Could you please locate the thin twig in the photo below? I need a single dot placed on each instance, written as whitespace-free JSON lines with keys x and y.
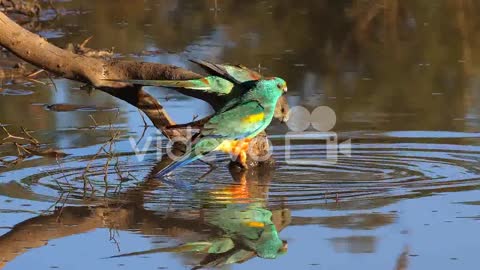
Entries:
{"x":94,"y":122}
{"x":109,"y":153}
{"x":62,"y":207}
{"x":143,"y":118}
{"x":32,"y":139}
{"x":145,"y":126}
{"x":50,"y":3}
{"x":112,"y":232}
{"x":36,"y":72}
{"x":53,"y":82}
{"x":63,"y":173}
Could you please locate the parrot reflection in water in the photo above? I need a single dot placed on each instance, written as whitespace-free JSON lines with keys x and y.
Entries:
{"x":243,"y":227}
{"x":247,"y":230}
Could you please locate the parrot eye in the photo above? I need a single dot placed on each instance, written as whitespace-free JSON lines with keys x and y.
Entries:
{"x":282,"y":87}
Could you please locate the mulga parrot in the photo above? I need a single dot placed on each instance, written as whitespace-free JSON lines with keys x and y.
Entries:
{"x":247,"y":230}
{"x":242,"y":118}
{"x":220,"y":83}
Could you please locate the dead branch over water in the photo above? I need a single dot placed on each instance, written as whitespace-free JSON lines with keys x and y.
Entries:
{"x":94,"y":71}
{"x":39,"y":52}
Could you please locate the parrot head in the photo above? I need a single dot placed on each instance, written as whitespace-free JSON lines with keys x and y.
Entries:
{"x":279,"y":83}
{"x":269,"y":89}
{"x":269,"y":245}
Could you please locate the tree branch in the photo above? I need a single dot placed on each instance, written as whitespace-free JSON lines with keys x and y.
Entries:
{"x":39,"y":52}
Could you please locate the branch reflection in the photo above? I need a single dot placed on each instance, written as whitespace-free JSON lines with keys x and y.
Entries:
{"x":233,"y":224}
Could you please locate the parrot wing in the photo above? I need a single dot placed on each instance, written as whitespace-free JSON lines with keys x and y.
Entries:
{"x":217,"y":70}
{"x":210,"y":84}
{"x":242,"y":73}
{"x":238,"y":122}
{"x":238,"y":73}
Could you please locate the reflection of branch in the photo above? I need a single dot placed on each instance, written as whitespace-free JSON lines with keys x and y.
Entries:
{"x":17,"y":71}
{"x":29,"y":138}
{"x":26,"y":146}
{"x":463,"y":25}
{"x":36,"y":232}
{"x":27,"y":234}
{"x":402,"y":261}
{"x":184,"y":226}
{"x":365,"y":15}
{"x":28,"y":8}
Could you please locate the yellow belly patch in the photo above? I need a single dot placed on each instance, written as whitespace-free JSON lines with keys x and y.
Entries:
{"x":255,"y":224}
{"x":254,"y":118}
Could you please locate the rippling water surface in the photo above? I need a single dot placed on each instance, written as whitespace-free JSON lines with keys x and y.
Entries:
{"x":401,"y":192}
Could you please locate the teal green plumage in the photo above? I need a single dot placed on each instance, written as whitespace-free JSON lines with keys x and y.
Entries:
{"x":223,"y":86}
{"x":252,"y":225}
{"x":242,"y":117}
{"x":242,"y":73}
{"x":246,"y":230}
{"x":210,"y":84}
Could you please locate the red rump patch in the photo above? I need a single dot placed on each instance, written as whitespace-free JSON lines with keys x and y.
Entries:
{"x":254,"y":75}
{"x":204,"y":80}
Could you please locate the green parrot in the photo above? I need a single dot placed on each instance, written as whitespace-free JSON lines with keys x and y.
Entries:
{"x":247,"y":229}
{"x":241,"y":118}
{"x":223,"y":84}
{"x":213,"y":84}
{"x":252,"y":226}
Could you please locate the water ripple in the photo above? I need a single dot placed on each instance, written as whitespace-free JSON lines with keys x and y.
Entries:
{"x":373,"y":171}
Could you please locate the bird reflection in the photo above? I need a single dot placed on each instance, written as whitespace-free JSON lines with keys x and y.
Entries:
{"x":245,"y":227}
{"x":232,"y":225}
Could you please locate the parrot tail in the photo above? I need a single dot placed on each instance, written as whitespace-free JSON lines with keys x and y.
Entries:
{"x":197,"y":151}
{"x":184,"y":160}
{"x":198,"y":84}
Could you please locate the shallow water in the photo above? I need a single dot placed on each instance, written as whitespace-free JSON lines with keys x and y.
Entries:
{"x":401,"y":192}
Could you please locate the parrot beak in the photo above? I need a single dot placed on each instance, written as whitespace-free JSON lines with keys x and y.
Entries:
{"x":284,"y":247}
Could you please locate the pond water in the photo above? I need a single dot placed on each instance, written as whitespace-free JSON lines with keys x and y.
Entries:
{"x":401,"y":193}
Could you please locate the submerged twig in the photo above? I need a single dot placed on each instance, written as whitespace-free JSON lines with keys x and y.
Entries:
{"x":94,"y":121}
{"x":32,"y":139}
{"x":108,"y":149}
{"x":26,"y":146}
